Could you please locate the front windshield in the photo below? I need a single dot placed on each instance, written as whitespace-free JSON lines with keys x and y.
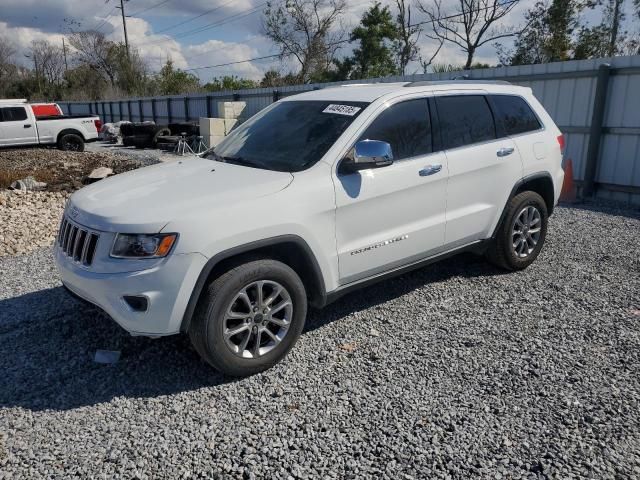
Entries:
{"x":288,"y":137}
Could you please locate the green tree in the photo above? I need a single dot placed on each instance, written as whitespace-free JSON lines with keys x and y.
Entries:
{"x":374,"y":57}
{"x":229,"y":82}
{"x":547,"y":36}
{"x":172,"y":81}
{"x":605,"y":39}
{"x":273,"y":78}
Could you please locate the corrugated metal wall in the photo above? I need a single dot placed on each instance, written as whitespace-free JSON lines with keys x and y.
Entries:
{"x":566,"y":89}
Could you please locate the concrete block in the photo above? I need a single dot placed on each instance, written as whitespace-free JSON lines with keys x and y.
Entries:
{"x":216,"y":126}
{"x":212,"y":140}
{"x":231,"y":109}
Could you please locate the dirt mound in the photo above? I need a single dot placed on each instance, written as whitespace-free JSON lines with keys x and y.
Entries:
{"x":61,"y":171}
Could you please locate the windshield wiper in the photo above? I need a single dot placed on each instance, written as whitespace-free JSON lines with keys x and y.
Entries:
{"x":243,"y":161}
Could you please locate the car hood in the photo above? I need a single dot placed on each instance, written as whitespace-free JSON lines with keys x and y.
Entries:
{"x":145,"y":200}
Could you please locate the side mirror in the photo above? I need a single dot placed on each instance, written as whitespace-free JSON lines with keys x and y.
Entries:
{"x":368,"y":154}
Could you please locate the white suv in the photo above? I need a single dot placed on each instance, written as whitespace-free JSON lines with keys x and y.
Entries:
{"x":317,"y":194}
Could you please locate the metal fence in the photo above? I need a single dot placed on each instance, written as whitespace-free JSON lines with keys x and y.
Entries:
{"x":596,"y":103}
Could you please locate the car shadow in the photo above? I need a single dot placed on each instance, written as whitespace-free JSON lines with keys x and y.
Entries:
{"x":48,"y":340}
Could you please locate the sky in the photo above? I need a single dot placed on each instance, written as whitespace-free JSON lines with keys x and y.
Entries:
{"x":192,"y":33}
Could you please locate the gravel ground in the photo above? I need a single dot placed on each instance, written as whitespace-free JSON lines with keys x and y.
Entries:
{"x":454,"y":371}
{"x":29,"y":220}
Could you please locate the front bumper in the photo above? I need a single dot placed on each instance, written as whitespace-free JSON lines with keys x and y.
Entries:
{"x":167,"y":286}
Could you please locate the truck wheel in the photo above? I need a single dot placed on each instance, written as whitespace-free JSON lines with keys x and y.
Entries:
{"x":249,"y":318}
{"x":71,"y":142}
{"x":521,"y":234}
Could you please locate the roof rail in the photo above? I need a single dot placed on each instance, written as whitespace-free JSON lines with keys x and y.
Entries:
{"x":427,"y":83}
{"x":13,"y":100}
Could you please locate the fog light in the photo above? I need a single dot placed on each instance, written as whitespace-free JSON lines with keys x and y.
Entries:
{"x":137,"y":303}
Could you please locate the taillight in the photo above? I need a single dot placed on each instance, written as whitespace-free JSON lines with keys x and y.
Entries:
{"x":561,"y":143}
{"x":98,"y":124}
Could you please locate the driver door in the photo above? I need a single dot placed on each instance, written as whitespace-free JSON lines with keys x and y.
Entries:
{"x":394,"y":215}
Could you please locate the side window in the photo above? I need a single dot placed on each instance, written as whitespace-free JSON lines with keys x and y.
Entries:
{"x":514,"y":115}
{"x":465,"y":119}
{"x":405,"y":126}
{"x":13,"y":114}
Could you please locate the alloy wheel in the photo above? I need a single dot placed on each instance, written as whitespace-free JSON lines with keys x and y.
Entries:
{"x":526,"y":230}
{"x":257,"y":319}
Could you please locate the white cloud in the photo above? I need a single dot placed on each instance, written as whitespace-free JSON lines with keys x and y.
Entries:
{"x":21,"y":37}
{"x":215,"y":52}
{"x":154,"y":49}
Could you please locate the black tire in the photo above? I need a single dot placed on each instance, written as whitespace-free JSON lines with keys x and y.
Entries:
{"x":184,"y":128}
{"x":70,"y":142}
{"x":502,"y":252}
{"x":138,"y":141}
{"x":161,"y":132}
{"x":208,"y":323}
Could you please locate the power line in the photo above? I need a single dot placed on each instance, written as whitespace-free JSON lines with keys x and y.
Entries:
{"x":149,"y":8}
{"x":232,"y":63}
{"x":347,"y":40}
{"x":101,"y":24}
{"x":250,"y":39}
{"x":224,"y":21}
{"x":195,"y":18}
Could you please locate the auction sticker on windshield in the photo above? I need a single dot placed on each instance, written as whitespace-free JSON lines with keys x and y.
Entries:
{"x":342,"y":109}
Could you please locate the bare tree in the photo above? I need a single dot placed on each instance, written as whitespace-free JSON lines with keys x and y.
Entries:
{"x":48,"y":60}
{"x":306,"y":30}
{"x":7,"y":67}
{"x":95,"y":51}
{"x":406,"y":45}
{"x":473,"y":23}
{"x":425,"y":62}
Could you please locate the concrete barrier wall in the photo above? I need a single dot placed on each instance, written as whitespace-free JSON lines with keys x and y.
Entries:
{"x":568,"y":90}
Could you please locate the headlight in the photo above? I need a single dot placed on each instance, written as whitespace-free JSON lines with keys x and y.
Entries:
{"x":143,"y":246}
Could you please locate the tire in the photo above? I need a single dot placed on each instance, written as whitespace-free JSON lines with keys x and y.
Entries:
{"x":161,"y":132}
{"x":232,"y":355}
{"x":515,"y":247}
{"x":184,"y":128}
{"x":138,"y":141}
{"x":71,"y":142}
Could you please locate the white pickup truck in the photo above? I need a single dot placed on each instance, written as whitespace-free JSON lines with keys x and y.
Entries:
{"x":19,"y":126}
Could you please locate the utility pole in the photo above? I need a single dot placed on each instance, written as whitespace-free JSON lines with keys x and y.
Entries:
{"x":64,"y":51}
{"x":124,"y":25}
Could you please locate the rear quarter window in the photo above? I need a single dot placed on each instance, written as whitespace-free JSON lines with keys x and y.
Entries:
{"x":514,"y":115}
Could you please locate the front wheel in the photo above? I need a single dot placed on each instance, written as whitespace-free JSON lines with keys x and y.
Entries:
{"x":521,"y":234}
{"x":249,"y":318}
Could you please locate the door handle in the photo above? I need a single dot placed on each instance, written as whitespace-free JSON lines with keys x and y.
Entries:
{"x":26,"y":126}
{"x":504,"y":151}
{"x":430,"y":170}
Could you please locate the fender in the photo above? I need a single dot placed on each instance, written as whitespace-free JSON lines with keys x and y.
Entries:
{"x":317,"y":298}
{"x":70,"y":130}
{"x":519,"y":183}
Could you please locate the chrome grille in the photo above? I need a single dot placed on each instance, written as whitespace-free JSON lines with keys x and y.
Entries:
{"x":76,"y":242}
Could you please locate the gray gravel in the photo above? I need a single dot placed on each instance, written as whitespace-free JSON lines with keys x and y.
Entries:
{"x":453,"y":371}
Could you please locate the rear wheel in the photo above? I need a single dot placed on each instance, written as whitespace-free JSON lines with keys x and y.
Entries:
{"x":521,"y":234}
{"x":71,"y":142}
{"x":250,"y":317}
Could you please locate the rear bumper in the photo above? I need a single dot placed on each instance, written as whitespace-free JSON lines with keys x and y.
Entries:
{"x":167,"y":287}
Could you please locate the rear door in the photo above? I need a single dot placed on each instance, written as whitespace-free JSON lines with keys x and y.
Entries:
{"x":482,"y":168}
{"x":390,"y":216}
{"x":17,"y":127}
